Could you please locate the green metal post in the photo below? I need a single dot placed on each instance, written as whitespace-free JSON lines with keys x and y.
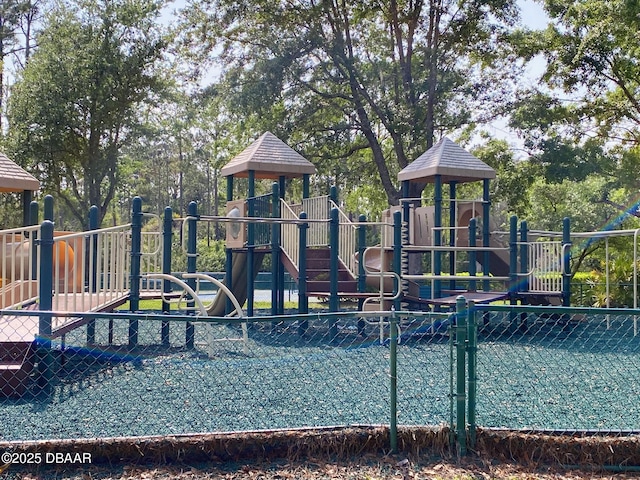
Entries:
{"x":27,"y":197}
{"x":486,"y":232}
{"x":452,"y":232}
{"x":305,"y":185}
{"x":192,"y":258}
{"x":566,"y":253}
{"x":397,"y":255}
{"x":48,"y":208}
{"x":524,"y":255}
{"x":276,"y":232}
{"x":275,"y":251}
{"x":393,"y":380}
{"x":513,"y":257}
{"x":362,"y":275}
{"x":472,"y":253}
{"x":334,"y":300}
{"x":251,"y":239}
{"x":136,"y":255}
{"x":92,"y":249}
{"x":303,"y":300}
{"x":461,"y":345}
{"x":333,"y":194}
{"x":45,"y":358}
{"x":437,"y":235}
{"x":228,"y":265}
{"x":33,"y":220}
{"x":472,"y":349}
{"x":167,"y":240}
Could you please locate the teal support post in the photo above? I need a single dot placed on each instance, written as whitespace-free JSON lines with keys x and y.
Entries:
{"x":362,"y":274}
{"x":92,"y":273}
{"x":192,"y":258}
{"x":566,"y":255}
{"x":453,"y":220}
{"x":303,"y":300}
{"x":397,"y":255}
{"x":334,"y":226}
{"x":472,"y":253}
{"x":333,"y":194}
{"x":229,"y":188}
{"x":33,"y":220}
{"x":513,"y":258}
{"x":472,"y":362}
{"x":251,"y":240}
{"x":524,"y":255}
{"x":280,"y":271}
{"x":393,"y":383}
{"x":136,"y":254}
{"x":406,"y":204}
{"x":48,"y":208}
{"x":167,"y":241}
{"x":461,"y":380}
{"x":305,"y":185}
{"x":282,"y":181}
{"x":27,"y":197}
{"x":437,"y":235}
{"x":228,"y":264}
{"x":275,"y":251}
{"x":44,"y":354}
{"x":486,"y":233}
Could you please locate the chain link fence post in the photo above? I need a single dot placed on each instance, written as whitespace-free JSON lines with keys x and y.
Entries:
{"x":461,"y":345}
{"x":472,"y":349}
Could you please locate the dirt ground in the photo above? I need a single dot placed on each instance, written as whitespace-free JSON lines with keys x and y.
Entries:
{"x":364,"y":468}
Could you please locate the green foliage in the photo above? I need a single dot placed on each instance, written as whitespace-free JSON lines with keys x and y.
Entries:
{"x":75,"y":105}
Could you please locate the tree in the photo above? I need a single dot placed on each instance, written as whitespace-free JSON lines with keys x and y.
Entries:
{"x":375,"y":83}
{"x":75,"y":105}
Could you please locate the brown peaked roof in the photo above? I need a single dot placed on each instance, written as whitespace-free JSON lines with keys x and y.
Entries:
{"x":14,"y":179}
{"x":447,"y":159}
{"x":268,"y":157}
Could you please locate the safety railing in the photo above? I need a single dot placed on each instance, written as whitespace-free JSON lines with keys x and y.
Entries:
{"x":317,"y":208}
{"x":347,"y":240}
{"x":290,"y":237}
{"x":546,"y":260}
{"x":19,"y":267}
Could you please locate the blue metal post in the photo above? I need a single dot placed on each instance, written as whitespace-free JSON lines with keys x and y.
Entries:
{"x":461,"y":346}
{"x":167,"y":241}
{"x":305,"y":185}
{"x":92,"y":250}
{"x":48,"y":208}
{"x":486,"y":233}
{"x":250,"y":240}
{"x":45,"y":359}
{"x":303,"y":300}
{"x":397,"y":255}
{"x":452,"y":232}
{"x":228,"y":265}
{"x":275,"y":252}
{"x":192,"y":258}
{"x":513,"y":257}
{"x":33,"y":220}
{"x":437,"y":235}
{"x":524,"y":255}
{"x":362,"y":275}
{"x":136,"y":254}
{"x":334,"y":226}
{"x":566,"y":273}
{"x":472,"y":253}
{"x":280,"y":273}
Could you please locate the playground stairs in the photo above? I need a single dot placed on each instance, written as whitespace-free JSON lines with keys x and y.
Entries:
{"x":16,"y":365}
{"x":319,"y":272}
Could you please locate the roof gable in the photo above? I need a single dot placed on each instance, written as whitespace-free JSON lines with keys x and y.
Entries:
{"x":268,"y":157}
{"x":447,"y":159}
{"x":14,"y":178}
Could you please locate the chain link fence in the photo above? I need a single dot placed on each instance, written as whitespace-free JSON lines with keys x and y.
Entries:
{"x":559,"y":369}
{"x":311,"y":371}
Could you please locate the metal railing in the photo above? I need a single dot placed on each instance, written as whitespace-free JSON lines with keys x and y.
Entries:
{"x":347,"y":240}
{"x":317,"y":208}
{"x":290,"y":238}
{"x":19,"y":267}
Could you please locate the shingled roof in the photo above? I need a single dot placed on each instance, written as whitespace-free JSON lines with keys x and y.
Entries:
{"x":447,"y":159}
{"x":268,"y":157}
{"x":14,"y":179}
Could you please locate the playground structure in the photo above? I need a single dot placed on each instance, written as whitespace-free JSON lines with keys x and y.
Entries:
{"x":315,"y":241}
